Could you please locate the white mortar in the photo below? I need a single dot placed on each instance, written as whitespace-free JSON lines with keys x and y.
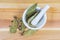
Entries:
{"x":39,"y":26}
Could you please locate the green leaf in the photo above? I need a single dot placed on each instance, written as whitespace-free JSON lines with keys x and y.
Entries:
{"x":31,"y":18}
{"x":14,"y":26}
{"x":23,"y":27}
{"x":29,"y":32}
{"x":31,"y":10}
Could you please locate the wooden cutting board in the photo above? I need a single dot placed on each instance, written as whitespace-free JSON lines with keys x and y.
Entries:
{"x":40,"y":35}
{"x":10,"y":8}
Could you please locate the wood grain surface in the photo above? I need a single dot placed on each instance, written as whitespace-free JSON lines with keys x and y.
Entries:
{"x":31,"y":1}
{"x":39,"y":35}
{"x":10,"y":8}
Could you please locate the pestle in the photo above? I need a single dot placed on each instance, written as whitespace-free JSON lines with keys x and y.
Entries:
{"x":40,"y":15}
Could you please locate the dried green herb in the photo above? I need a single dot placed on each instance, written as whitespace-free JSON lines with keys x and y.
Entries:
{"x":31,"y":11}
{"x":29,"y":32}
{"x":31,"y":18}
{"x":21,"y":25}
{"x":18,"y":24}
{"x":30,"y":15}
{"x":14,"y":25}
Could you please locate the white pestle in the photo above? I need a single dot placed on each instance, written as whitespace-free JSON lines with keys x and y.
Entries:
{"x":39,"y":16}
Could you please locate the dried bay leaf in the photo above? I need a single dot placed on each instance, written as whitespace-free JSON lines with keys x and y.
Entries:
{"x":14,"y":26}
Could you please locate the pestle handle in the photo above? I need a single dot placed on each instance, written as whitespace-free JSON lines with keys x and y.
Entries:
{"x":39,"y":16}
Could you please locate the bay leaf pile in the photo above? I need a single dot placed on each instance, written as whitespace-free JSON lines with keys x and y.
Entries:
{"x":17,"y":23}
